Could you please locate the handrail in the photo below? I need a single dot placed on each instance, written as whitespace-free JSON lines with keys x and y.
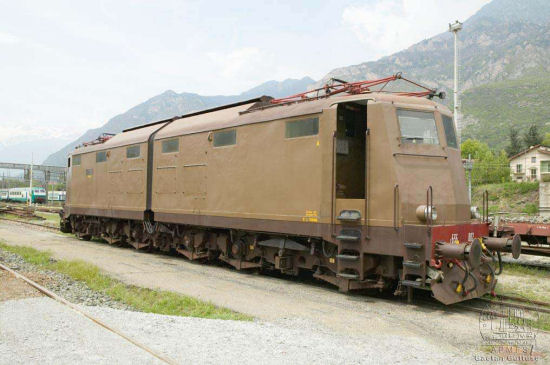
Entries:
{"x":333,"y":187}
{"x":417,"y":155}
{"x":395,"y":206}
{"x":367,"y":134}
{"x":429,"y":205}
{"x":485,"y":206}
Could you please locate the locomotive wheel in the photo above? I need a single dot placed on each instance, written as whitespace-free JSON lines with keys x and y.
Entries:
{"x":84,"y":237}
{"x":238,"y":249}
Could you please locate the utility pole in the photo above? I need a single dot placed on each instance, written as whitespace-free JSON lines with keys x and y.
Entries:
{"x":29,"y":196}
{"x":455,"y":28}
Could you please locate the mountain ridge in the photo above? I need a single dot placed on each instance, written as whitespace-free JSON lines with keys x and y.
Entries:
{"x":169,"y":104}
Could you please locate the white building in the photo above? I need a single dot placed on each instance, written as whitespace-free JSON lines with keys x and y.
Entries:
{"x":529,"y":164}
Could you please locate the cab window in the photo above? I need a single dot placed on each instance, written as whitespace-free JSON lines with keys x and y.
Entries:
{"x":417,"y":127}
{"x":76,"y":160}
{"x":450,"y":135}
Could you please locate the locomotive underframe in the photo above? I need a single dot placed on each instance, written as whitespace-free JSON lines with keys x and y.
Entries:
{"x":242,"y":249}
{"x":289,"y":254}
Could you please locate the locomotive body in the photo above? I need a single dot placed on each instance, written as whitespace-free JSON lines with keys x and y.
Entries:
{"x":366,"y":191}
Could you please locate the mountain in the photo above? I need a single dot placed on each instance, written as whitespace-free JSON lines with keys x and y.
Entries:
{"x":504,"y":52}
{"x":170,"y":103}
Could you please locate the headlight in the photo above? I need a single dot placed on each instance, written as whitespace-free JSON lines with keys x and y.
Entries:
{"x":474,"y":212}
{"x":423,"y":212}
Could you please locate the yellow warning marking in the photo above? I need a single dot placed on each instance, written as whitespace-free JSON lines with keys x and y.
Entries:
{"x":311,"y":216}
{"x":317,"y":144}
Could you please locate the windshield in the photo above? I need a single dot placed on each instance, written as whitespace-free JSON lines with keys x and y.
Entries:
{"x":417,"y":127}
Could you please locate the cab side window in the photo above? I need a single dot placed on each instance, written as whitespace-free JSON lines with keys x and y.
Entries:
{"x":450,"y":135}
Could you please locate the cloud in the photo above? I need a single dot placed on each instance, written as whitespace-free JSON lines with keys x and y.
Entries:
{"x":387,"y":26}
{"x":14,"y":134}
{"x":8,"y":38}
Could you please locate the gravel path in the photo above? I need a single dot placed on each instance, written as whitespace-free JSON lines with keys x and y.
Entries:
{"x":42,"y":330}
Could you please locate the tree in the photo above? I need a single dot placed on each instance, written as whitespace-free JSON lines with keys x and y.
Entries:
{"x":546,"y":141}
{"x":488,"y":167}
{"x":474,"y":148}
{"x":515,"y":146}
{"x":532,"y":137}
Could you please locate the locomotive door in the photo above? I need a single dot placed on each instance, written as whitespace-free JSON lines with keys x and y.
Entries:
{"x":350,"y":154}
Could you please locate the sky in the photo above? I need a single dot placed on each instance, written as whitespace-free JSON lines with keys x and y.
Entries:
{"x":67,"y":66}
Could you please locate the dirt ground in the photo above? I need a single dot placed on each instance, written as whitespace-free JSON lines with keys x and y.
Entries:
{"x":13,"y":288}
{"x":284,"y":301}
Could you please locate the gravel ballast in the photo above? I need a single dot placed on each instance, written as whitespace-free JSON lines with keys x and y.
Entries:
{"x":74,"y":291}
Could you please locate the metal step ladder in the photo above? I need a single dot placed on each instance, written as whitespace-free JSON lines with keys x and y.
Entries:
{"x":414,"y":268}
{"x":350,"y":257}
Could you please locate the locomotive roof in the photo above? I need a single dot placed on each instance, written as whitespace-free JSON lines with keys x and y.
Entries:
{"x":249,"y":112}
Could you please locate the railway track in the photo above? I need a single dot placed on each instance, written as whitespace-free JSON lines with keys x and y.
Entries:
{"x":503,"y":302}
{"x":79,"y":310}
{"x":538,"y":251}
{"x":56,"y":229}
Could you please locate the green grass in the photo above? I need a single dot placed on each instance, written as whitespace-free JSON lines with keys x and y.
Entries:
{"x":51,"y":218}
{"x":525,"y":270}
{"x":142,"y":299}
{"x":510,"y":197}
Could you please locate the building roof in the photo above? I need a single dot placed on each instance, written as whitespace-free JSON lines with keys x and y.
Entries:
{"x":541,"y":149}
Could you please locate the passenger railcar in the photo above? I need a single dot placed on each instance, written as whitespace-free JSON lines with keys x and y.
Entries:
{"x":36,"y":194}
{"x":365,"y":190}
{"x":4,"y":194}
{"x":56,"y":196}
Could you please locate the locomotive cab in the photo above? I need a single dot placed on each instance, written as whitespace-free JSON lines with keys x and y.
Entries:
{"x":400,"y":189}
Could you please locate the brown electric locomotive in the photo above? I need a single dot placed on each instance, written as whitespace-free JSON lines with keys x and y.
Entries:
{"x":364,"y":188}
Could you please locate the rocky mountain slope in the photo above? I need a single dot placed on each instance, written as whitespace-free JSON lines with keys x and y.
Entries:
{"x":170,"y":103}
{"x":504,"y":68}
